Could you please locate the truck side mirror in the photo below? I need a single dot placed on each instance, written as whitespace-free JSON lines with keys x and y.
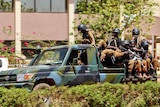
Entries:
{"x":38,"y":49}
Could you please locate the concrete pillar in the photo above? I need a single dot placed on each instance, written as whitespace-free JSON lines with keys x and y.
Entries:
{"x":17,"y":20}
{"x":153,"y":45}
{"x":70,"y":6}
{"x":157,"y":49}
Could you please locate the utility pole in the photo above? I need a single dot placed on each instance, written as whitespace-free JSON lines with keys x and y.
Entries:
{"x":17,"y":32}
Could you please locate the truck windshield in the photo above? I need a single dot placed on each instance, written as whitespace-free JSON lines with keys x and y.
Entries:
{"x":51,"y":57}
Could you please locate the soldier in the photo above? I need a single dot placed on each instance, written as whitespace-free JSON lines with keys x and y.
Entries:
{"x":135,"y":63}
{"x":137,"y":40}
{"x":88,"y":37}
{"x":113,"y":46}
{"x":152,"y":63}
{"x":129,"y":63}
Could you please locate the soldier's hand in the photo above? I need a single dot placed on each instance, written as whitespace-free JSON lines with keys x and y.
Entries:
{"x":86,"y":41}
{"x":126,"y":52}
{"x":102,"y":58}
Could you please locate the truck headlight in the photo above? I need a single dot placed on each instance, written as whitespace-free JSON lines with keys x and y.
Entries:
{"x":24,"y":77}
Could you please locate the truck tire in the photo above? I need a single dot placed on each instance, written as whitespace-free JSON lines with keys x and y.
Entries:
{"x":41,"y":86}
{"x":47,"y":100}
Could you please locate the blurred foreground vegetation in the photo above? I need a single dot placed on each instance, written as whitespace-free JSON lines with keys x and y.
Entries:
{"x":96,"y":95}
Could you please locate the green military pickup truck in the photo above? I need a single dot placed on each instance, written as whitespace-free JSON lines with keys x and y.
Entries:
{"x":63,"y":65}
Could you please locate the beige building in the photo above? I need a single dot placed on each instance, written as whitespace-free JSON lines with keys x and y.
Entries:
{"x":53,"y":22}
{"x":157,"y":39}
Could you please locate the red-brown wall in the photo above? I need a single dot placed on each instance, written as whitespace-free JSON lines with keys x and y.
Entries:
{"x":36,"y":26}
{"x":46,"y":26}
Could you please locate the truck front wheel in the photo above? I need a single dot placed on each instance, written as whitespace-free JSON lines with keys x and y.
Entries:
{"x":41,"y":86}
{"x":47,"y":100}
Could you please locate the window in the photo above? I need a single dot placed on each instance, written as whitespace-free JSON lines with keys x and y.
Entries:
{"x":78,"y":57}
{"x":35,"y":5}
{"x":27,"y":5}
{"x":52,"y":57}
{"x":58,"y":6}
{"x":42,"y":6}
{"x":6,"y":6}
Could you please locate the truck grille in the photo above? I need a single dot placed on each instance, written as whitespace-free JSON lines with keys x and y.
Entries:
{"x":9,"y":78}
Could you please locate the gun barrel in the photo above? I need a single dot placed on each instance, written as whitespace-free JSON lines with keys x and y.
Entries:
{"x":133,"y":53}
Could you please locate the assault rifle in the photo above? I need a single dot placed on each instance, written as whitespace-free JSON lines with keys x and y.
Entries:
{"x":136,"y":56}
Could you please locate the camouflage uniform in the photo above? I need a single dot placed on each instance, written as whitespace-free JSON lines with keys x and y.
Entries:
{"x":88,"y":37}
{"x":145,"y":59}
{"x":112,"y":48}
{"x":152,"y":64}
{"x":135,"y":64}
{"x":108,"y":52}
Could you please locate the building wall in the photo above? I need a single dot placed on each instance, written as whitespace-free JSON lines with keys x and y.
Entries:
{"x":157,"y":9}
{"x":157,"y":14}
{"x":36,"y":26}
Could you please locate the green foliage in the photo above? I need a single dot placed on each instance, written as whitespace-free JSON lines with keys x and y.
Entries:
{"x":104,"y":15}
{"x":8,"y":47}
{"x":6,"y":6}
{"x":96,"y":95}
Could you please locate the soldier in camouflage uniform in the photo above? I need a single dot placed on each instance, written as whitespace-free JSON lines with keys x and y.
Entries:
{"x":134,"y":64}
{"x":141,"y":73}
{"x":88,"y":37}
{"x":152,"y":63}
{"x":112,"y":46}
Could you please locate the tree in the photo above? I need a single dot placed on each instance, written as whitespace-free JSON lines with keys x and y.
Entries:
{"x":104,"y":15}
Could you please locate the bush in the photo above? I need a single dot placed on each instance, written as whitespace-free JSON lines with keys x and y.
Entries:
{"x":96,"y":95}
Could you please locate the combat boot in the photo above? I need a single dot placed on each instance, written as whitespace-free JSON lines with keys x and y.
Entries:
{"x":154,"y":74}
{"x":139,"y":75}
{"x":130,"y":75}
{"x":146,"y":76}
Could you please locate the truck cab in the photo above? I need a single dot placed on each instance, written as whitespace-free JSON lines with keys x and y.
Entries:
{"x":60,"y":65}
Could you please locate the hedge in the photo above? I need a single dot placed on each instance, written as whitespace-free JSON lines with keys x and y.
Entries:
{"x":96,"y":95}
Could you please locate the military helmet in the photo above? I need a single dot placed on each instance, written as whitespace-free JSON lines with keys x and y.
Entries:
{"x":135,"y":31}
{"x":144,"y":44}
{"x":82,"y":27}
{"x":116,"y":30}
{"x":126,"y":42}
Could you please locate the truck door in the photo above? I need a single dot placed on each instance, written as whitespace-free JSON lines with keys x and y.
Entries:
{"x":80,"y":68}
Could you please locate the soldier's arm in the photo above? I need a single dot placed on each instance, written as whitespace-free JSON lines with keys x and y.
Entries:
{"x":103,"y":54}
{"x":136,"y":49}
{"x":144,"y":38}
{"x":149,"y":42}
{"x":92,"y":37}
{"x":112,"y":47}
{"x":102,"y":43}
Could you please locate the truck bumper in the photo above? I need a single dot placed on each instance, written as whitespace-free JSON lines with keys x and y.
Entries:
{"x":26,"y":85}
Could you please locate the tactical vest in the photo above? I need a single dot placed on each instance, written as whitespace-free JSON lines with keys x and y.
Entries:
{"x":114,"y":42}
